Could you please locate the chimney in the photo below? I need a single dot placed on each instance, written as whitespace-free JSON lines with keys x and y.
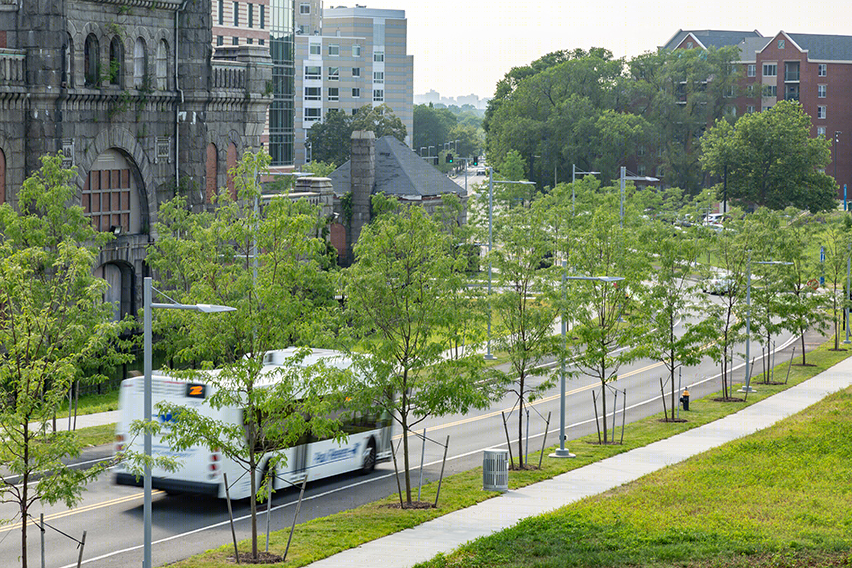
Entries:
{"x":362,"y":175}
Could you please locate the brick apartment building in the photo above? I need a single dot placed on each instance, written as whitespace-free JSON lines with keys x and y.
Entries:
{"x":815,"y":70}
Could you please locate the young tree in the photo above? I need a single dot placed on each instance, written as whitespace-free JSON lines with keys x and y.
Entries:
{"x":838,"y":241}
{"x":526,"y":304}
{"x":268,"y":264}
{"x":401,"y":303}
{"x":609,"y":325}
{"x":52,"y":320}
{"x":672,"y":296}
{"x":770,"y":159}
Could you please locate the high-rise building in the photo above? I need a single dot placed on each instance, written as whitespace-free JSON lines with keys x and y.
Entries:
{"x":266,"y":23}
{"x":347,"y":58}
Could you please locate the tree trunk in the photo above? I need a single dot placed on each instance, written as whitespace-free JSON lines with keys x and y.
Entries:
{"x":406,"y":466}
{"x":25,"y":496}
{"x":521,"y":430}
{"x":803,"y":348}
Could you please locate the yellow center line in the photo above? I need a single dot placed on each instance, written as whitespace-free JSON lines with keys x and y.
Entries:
{"x":85,"y":509}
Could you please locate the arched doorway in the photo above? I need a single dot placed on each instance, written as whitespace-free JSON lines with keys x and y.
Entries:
{"x":120,"y":278}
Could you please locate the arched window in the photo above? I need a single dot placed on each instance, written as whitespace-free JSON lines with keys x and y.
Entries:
{"x":162,"y":65}
{"x":68,"y":61}
{"x":140,"y":64}
{"x":116,"y":61}
{"x":92,"y":61}
{"x":212,"y":172}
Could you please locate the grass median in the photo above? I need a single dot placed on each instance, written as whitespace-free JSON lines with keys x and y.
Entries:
{"x":675,"y":543}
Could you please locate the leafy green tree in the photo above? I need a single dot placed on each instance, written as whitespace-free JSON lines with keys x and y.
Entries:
{"x":268,"y":265}
{"x":432,"y":126}
{"x":526,"y":306}
{"x":671,"y":296}
{"x":679,"y":93}
{"x":609,"y":325}
{"x":381,"y":120}
{"x":401,"y":304}
{"x":53,"y":320}
{"x":470,"y":141}
{"x":838,"y":243}
{"x":771,"y":160}
{"x":802,"y":309}
{"x":330,"y":138}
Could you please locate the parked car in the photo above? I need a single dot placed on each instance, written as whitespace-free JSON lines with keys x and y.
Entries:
{"x":718,"y":285}
{"x":481,"y":171}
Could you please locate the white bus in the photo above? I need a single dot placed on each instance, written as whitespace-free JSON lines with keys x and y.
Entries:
{"x":201,"y":469}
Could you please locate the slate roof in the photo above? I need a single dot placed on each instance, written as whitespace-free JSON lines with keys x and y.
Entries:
{"x":751,"y":45}
{"x":824,"y":47}
{"x":711,"y":38}
{"x":400,"y":172}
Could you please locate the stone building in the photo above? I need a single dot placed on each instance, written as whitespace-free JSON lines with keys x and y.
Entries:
{"x":132,"y":95}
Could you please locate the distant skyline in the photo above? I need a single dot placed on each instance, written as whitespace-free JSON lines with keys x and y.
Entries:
{"x":465,"y":47}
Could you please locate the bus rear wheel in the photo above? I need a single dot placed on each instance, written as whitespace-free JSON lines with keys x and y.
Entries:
{"x":369,"y":459}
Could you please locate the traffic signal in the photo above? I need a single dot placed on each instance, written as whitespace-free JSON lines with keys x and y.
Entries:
{"x":449,"y":158}
{"x":476,"y":160}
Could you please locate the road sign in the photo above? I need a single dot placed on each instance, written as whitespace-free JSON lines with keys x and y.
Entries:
{"x":813,"y":283}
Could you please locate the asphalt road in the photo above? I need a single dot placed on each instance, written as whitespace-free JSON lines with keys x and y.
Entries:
{"x":184,"y":525}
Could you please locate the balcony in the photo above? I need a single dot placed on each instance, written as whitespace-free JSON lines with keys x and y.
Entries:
{"x":12,"y":72}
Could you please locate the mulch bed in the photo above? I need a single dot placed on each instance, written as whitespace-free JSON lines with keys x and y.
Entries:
{"x":412,"y":505}
{"x":262,"y":558}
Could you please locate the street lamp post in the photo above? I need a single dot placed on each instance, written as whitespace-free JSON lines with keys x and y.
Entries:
{"x":747,"y":388}
{"x":562,"y":452}
{"x":146,"y":356}
{"x":574,"y":172}
{"x":837,"y":134}
{"x":488,"y":355}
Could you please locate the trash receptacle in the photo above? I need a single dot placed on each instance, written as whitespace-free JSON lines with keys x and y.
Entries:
{"x":495,"y":470}
{"x":684,"y":399}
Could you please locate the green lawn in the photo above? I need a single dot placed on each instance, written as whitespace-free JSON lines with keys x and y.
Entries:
{"x":734,"y":503}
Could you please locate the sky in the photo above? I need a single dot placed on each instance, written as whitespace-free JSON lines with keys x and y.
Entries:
{"x":463,"y":47}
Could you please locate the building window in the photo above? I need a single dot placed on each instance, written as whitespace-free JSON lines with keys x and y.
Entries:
{"x":236,"y":13}
{"x":304,"y":8}
{"x":750,"y":90}
{"x":221,"y":12}
{"x":770,"y":90}
{"x":751,"y":70}
{"x":821,"y":131}
{"x":235,"y":40}
{"x":356,"y":71}
{"x":262,"y":17}
{"x":140,"y":64}
{"x":770,"y":69}
{"x":313,"y":114}
{"x":731,"y":92}
{"x":251,"y":15}
{"x":749,"y":108}
{"x":641,"y":169}
{"x":356,"y":50}
{"x":162,"y":64}
{"x":378,"y":76}
{"x":378,"y":95}
{"x":333,"y":50}
{"x":333,"y":94}
{"x":249,"y":40}
{"x":356,"y":93}
{"x":689,"y":45}
{"x":313,"y":93}
{"x":313,"y":72}
{"x":822,"y":111}
{"x":781,"y":44}
{"x":106,"y":199}
{"x":91,"y":61}
{"x":261,"y":41}
{"x":354,"y":111}
{"x":220,"y":40}
{"x":333,"y":73}
{"x":116,"y":58}
{"x":821,"y":89}
{"x":822,"y":69}
{"x":378,"y":56}
{"x":315,"y":49}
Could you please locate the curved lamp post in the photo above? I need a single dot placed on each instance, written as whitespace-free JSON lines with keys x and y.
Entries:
{"x":148,"y":306}
{"x":562,"y":452}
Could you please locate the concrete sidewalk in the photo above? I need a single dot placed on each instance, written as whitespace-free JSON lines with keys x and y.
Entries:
{"x":447,"y":533}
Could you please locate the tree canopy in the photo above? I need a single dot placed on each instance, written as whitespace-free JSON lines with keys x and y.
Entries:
{"x":770,"y":159}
